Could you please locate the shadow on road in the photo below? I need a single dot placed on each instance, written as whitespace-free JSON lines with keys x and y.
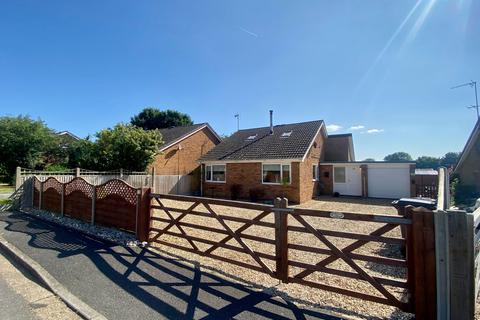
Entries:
{"x":168,"y":287}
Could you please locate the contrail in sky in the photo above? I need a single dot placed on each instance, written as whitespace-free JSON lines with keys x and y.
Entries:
{"x":249,"y":32}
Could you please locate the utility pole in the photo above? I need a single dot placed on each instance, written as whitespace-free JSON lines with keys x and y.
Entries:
{"x":472,"y":84}
{"x":238,"y":121}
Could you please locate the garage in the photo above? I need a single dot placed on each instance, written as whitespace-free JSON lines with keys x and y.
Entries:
{"x":379,"y":179}
{"x":389,"y":181}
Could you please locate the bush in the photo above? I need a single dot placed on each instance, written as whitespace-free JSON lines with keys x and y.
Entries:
{"x":256,"y":194}
{"x":235,"y":191}
{"x":463,"y":195}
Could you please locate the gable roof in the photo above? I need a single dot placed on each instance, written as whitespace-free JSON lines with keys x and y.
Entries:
{"x":339,"y":147}
{"x":262,"y":145}
{"x":474,"y":138}
{"x":68,"y":133}
{"x":174,"y":135}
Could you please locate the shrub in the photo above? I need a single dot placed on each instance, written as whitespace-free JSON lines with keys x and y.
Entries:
{"x":235,"y":191}
{"x":256,"y":194}
{"x":463,"y":195}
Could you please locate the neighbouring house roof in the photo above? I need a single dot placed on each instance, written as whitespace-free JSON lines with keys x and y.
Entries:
{"x":426,"y":172}
{"x":472,"y":140}
{"x":174,"y":135}
{"x":67,"y":134}
{"x":339,"y":147}
{"x":288,"y":141}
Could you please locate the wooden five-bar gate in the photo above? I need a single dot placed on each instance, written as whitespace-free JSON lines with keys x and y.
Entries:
{"x":281,"y":260}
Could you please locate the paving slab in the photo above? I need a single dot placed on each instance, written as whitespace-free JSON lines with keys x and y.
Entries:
{"x":136,"y":283}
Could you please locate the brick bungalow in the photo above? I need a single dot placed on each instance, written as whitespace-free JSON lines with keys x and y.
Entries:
{"x":263,"y":163}
{"x":182,"y":148}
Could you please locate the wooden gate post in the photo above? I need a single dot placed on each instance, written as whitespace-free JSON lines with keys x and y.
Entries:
{"x":281,"y":239}
{"x":144,"y":215}
{"x":421,"y":274}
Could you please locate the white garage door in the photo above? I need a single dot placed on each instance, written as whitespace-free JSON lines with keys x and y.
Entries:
{"x":384,"y":182}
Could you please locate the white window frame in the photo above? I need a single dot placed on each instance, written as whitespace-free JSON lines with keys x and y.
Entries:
{"x":317,"y":172}
{"x":345,"y":168}
{"x":281,"y":173}
{"x":211,"y":173}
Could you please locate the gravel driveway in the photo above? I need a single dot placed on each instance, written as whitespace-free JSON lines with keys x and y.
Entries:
{"x":295,"y":292}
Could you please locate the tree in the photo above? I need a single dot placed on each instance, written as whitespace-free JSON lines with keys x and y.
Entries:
{"x":369,"y":159}
{"x":153,"y":118}
{"x":83,"y":154}
{"x":450,"y":159}
{"x":25,"y":142}
{"x":125,"y":146}
{"x":425,"y":162}
{"x":398,"y":156}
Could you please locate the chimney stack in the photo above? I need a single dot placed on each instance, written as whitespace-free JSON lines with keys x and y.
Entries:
{"x":271,"y":121}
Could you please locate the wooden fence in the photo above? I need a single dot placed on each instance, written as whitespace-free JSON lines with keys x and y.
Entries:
{"x":274,"y":255}
{"x":442,"y":246}
{"x":171,"y":184}
{"x":113,"y":204}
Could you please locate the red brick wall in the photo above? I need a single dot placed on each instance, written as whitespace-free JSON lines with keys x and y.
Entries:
{"x":173,"y":161}
{"x":249,"y":176}
{"x":309,"y":188}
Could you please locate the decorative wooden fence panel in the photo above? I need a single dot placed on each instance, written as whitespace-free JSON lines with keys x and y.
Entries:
{"x":52,"y":191}
{"x":290,"y":234}
{"x":116,"y":205}
{"x":78,"y":198}
{"x":113,"y":204}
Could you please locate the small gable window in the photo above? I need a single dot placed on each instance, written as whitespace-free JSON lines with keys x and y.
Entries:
{"x":315,"y":172}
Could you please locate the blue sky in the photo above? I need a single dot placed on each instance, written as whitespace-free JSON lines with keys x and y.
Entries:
{"x":385,"y":66}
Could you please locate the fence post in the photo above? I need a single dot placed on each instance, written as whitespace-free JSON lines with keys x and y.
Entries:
{"x":421,"y":274}
{"x":121,"y":173}
{"x":152,"y":185}
{"x":461,"y":236}
{"x":94,"y":199}
{"x":144,"y":215}
{"x":281,"y":239}
{"x":442,"y":265}
{"x":40,"y":196}
{"x":77,"y":172}
{"x":62,"y":199}
{"x":18,"y":178}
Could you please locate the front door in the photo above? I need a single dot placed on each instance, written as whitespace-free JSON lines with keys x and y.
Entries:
{"x":347,"y":180}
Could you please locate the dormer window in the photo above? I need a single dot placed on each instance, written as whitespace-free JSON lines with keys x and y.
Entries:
{"x":252,"y":137}
{"x":286,"y":134}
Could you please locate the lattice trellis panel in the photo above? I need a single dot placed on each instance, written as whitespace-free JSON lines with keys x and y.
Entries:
{"x":79,"y":184}
{"x":52,"y":183}
{"x":119,"y":188}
